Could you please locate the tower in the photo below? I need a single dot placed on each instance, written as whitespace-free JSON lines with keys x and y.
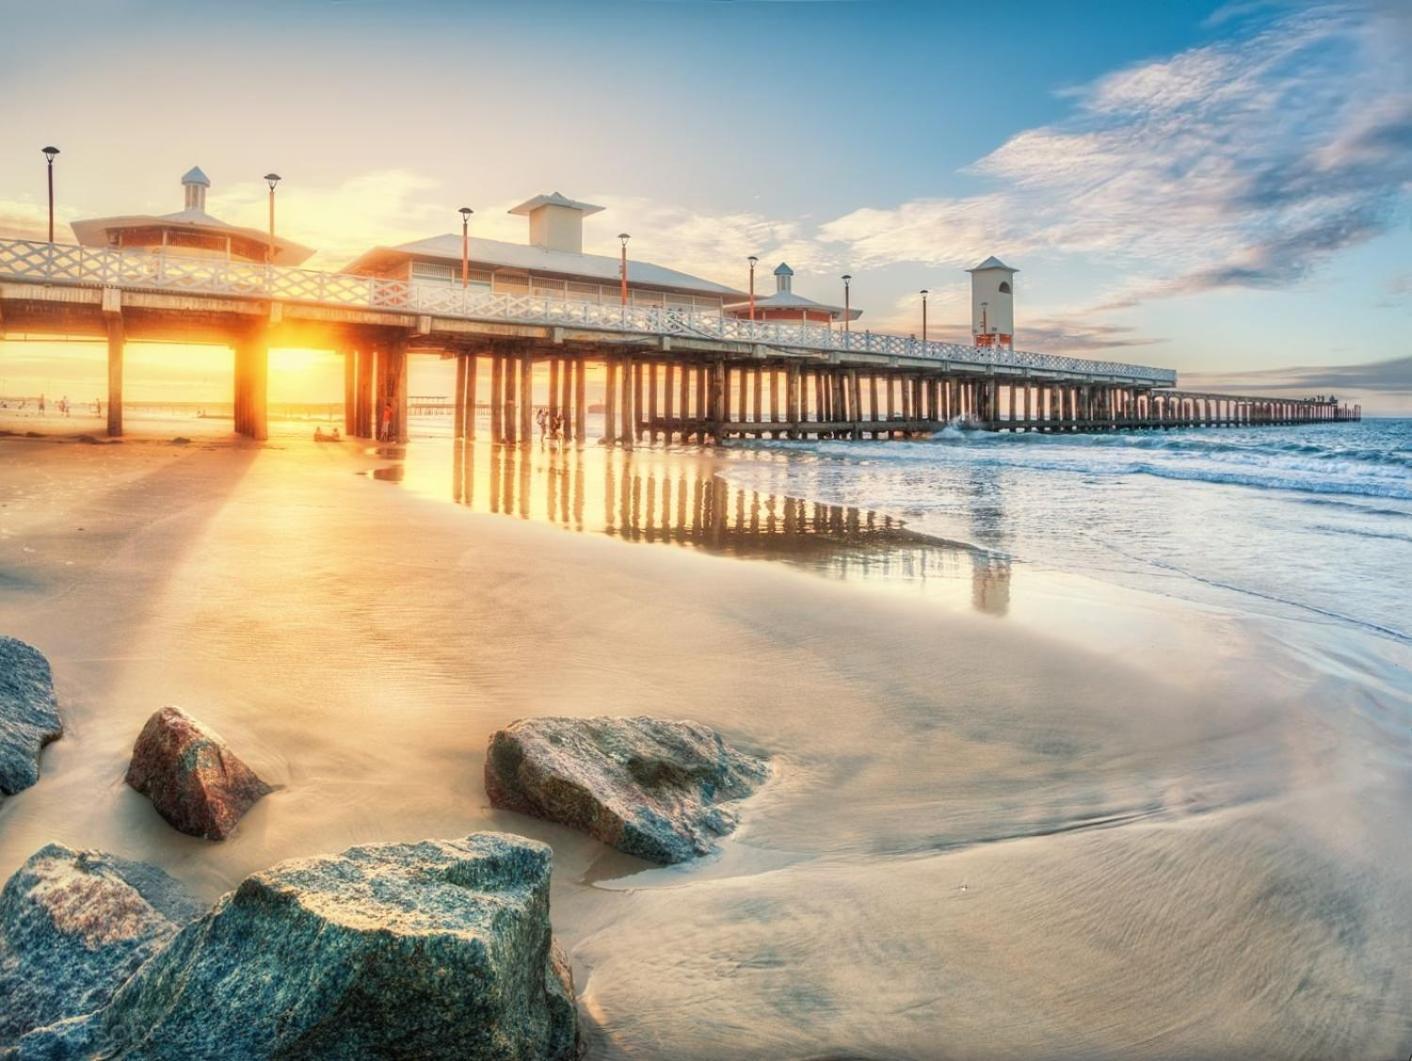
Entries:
{"x":993,"y":303}
{"x":195,"y":184}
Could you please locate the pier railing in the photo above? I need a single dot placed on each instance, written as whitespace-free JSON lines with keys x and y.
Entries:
{"x":69,"y":264}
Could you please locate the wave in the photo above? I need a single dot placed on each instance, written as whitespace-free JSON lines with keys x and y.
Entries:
{"x":1256,"y":458}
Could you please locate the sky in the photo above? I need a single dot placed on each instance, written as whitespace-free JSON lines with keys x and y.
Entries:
{"x":1220,"y":188}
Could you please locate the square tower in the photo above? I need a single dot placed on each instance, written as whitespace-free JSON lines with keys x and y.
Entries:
{"x":993,"y":303}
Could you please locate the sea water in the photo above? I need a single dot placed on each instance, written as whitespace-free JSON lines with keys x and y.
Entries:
{"x":1310,"y":522}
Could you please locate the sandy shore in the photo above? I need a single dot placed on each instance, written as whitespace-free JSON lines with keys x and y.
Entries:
{"x":1016,"y":814}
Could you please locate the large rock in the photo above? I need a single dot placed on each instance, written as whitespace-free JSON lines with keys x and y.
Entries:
{"x":29,"y":717}
{"x":73,"y":926}
{"x":193,"y":779}
{"x":653,"y":788}
{"x":438,"y":949}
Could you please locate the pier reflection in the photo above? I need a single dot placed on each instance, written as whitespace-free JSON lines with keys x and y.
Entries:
{"x":667,"y":497}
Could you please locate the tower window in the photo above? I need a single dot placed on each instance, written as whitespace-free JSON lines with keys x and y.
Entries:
{"x":1005,"y":287}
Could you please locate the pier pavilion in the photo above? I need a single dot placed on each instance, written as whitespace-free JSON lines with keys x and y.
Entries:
{"x":677,"y":358}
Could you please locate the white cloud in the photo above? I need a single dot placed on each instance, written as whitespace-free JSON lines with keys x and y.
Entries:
{"x":1245,"y":162}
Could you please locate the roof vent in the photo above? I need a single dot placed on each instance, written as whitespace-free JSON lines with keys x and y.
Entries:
{"x":195,"y":182}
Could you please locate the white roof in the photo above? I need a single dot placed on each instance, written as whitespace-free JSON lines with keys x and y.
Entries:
{"x":789,"y":300}
{"x":992,"y":263}
{"x":195,"y":176}
{"x":555,"y":199}
{"x":494,"y":253}
{"x":93,"y":232}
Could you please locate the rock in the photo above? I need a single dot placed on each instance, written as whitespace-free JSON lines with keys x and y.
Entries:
{"x":193,"y":779}
{"x":29,"y":717}
{"x":650,"y":787}
{"x":438,"y":949}
{"x":73,"y":926}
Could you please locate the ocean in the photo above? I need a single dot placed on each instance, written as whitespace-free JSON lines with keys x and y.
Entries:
{"x":1311,"y":523}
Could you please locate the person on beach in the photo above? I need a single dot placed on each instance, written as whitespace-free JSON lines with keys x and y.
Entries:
{"x":41,"y":405}
{"x":541,"y":419}
{"x":64,"y":405}
{"x":97,"y":406}
{"x":385,"y":432}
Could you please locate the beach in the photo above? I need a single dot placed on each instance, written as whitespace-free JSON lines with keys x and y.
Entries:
{"x":1018,"y":809}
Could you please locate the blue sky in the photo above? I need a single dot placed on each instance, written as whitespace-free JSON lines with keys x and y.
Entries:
{"x":1222,"y":188}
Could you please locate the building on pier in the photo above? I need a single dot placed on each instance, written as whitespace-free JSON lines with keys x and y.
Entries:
{"x":993,"y":304}
{"x":551,"y":265}
{"x":785,"y":305}
{"x":190,"y":232}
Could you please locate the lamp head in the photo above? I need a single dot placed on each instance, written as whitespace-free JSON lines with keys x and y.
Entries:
{"x":624,"y":237}
{"x":752,"y":259}
{"x":465,"y":213}
{"x":847,"y":277}
{"x":49,"y":153}
{"x":272,"y":179}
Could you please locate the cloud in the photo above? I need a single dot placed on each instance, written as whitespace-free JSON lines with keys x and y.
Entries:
{"x":1246,"y":162}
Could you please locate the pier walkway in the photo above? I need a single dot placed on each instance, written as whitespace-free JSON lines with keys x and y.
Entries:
{"x":668,"y":371}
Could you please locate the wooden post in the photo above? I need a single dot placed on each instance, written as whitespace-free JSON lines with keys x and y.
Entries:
{"x":580,"y":400}
{"x":470,"y":402}
{"x":116,"y":341}
{"x":791,"y":398}
{"x":635,"y":426}
{"x":257,"y":373}
{"x":652,"y":433}
{"x":526,"y":397}
{"x":497,"y":397}
{"x":669,"y":374}
{"x":566,"y":402}
{"x":511,"y":421}
{"x":350,"y":393}
{"x":460,"y":401}
{"x":758,"y":385}
{"x":626,"y":413}
{"x":553,"y":390}
{"x":400,"y":427}
{"x":685,"y":395}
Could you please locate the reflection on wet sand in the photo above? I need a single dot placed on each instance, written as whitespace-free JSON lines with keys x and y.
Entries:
{"x":673,"y":498}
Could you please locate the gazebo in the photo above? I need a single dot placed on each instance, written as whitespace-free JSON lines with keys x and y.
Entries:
{"x":785,"y":305}
{"x":189,"y":232}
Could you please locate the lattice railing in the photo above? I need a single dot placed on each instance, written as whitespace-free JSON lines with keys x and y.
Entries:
{"x":60,"y":263}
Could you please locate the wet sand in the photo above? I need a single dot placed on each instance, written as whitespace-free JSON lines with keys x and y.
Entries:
{"x":1017,"y":813}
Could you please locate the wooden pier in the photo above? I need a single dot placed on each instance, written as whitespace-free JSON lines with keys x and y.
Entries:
{"x":665,"y":374}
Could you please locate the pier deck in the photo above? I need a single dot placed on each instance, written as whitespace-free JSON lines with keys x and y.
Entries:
{"x":668,"y":372}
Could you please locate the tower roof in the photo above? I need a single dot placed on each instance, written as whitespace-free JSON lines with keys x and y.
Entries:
{"x":992,"y":263}
{"x":195,"y":176}
{"x":783,"y":270}
{"x":555,"y":199}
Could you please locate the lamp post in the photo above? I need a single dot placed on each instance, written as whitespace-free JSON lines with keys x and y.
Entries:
{"x":466,"y":213}
{"x":623,"y":237}
{"x":924,"y":315}
{"x":272,"y":179}
{"x":752,"y":259}
{"x":49,"y":153}
{"x":847,"y":306}
{"x":985,"y":326}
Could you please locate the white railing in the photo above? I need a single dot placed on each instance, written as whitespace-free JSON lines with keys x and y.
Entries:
{"x":66,"y":264}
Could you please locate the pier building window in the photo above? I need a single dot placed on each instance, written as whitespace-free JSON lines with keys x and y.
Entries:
{"x":1005,"y":287}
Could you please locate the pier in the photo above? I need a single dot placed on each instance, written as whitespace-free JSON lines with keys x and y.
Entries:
{"x":669,"y":372}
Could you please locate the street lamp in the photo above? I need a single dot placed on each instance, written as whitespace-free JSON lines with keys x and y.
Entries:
{"x":466,"y":213}
{"x":924,"y":314}
{"x":985,"y":325}
{"x":623,"y":268}
{"x":49,"y":153}
{"x":272,"y":179}
{"x":752,"y":259}
{"x":847,"y":307}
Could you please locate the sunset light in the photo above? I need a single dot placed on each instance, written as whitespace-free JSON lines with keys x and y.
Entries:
{"x":620,"y":530}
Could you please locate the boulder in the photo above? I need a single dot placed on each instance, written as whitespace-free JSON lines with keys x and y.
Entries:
{"x":654,"y":788}
{"x":434,"y":949}
{"x":193,"y":779}
{"x":29,"y":717}
{"x":73,"y":926}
